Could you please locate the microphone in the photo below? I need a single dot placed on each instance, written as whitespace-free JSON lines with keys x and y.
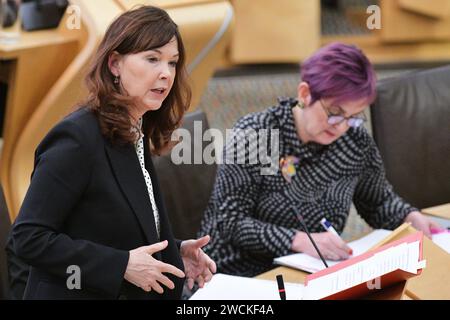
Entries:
{"x":289,"y":171}
{"x":300,"y":218}
{"x":281,"y":290}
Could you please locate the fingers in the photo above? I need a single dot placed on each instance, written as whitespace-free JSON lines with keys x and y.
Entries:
{"x":190,"y":283}
{"x":166,"y":281}
{"x":435,"y":227}
{"x":157,"y":287}
{"x":334,"y":248}
{"x":203,"y":241}
{"x":342,"y":245}
{"x":201,"y":281}
{"x":212,"y":265}
{"x":427,"y":233}
{"x":330,"y":255}
{"x":159,"y":246}
{"x":207,"y":275}
{"x":168,"y":268}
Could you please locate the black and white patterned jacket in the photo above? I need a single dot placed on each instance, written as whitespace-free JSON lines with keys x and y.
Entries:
{"x":249,"y":216}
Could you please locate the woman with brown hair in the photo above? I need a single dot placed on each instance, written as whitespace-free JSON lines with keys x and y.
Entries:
{"x":92,"y":224}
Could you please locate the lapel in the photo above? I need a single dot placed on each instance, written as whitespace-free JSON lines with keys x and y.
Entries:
{"x":127,"y":171}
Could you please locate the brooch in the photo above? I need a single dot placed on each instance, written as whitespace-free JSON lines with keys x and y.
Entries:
{"x":287,"y":166}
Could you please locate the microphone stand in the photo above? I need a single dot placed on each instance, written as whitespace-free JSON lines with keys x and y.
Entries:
{"x":288,"y":178}
{"x":305,"y":228}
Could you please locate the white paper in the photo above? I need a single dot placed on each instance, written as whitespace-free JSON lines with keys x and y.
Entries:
{"x":442,"y":240}
{"x":226,"y":287}
{"x":307,"y":263}
{"x":405,"y":256}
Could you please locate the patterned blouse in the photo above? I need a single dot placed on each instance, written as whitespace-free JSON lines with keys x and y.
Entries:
{"x":148,"y":181}
{"x":249,"y":215}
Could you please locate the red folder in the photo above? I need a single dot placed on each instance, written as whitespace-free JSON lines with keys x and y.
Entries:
{"x":387,"y":280}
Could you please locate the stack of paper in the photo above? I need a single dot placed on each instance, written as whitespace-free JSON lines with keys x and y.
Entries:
{"x":404,"y":258}
{"x":305,"y":262}
{"x":226,"y":287}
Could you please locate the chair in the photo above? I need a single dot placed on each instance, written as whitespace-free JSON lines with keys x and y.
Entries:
{"x":186,"y":188}
{"x":410,"y":120}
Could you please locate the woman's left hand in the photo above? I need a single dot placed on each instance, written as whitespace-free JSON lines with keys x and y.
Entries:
{"x":198,"y":266}
{"x":422,"y":223}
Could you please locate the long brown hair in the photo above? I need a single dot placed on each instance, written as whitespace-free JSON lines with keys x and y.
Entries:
{"x":138,"y":30}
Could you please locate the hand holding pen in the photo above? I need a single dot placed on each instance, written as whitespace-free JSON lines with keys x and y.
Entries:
{"x":325,"y":245}
{"x":342,"y":249}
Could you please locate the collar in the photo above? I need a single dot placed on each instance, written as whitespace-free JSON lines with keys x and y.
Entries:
{"x":138,"y":131}
{"x":288,"y":132}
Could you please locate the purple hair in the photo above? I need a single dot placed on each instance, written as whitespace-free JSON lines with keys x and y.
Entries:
{"x":339,"y":72}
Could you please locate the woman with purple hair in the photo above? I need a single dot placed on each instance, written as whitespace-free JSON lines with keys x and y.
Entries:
{"x":327,"y":161}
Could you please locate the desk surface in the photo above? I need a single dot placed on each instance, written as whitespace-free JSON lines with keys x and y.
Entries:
{"x":442,"y":211}
{"x":433,"y":283}
{"x":33,"y":39}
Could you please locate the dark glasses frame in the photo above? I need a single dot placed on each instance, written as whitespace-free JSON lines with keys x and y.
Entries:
{"x":335,"y":119}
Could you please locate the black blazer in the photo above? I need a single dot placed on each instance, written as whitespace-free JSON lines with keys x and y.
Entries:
{"x":88,"y":205}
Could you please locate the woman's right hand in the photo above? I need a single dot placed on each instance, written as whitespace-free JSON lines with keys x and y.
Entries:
{"x":146,"y":272}
{"x":330,"y":245}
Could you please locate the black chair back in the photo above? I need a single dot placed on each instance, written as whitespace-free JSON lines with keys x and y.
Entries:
{"x":411,"y":126}
{"x":186,"y":188}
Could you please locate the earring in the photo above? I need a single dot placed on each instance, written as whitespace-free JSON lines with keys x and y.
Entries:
{"x":116,"y":80}
{"x":301,"y":104}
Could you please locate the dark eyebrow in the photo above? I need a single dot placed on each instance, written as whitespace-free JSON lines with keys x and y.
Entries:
{"x":159,"y":51}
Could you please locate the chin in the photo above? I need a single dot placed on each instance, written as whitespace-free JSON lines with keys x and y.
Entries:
{"x":152,"y":106}
{"x":326,"y":140}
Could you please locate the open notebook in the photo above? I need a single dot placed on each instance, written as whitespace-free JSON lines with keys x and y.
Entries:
{"x":307,"y":263}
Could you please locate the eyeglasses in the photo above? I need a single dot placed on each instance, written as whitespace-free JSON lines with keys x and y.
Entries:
{"x":334,"y":119}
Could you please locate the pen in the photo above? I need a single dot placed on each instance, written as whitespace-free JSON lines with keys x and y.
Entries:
{"x":329,"y":227}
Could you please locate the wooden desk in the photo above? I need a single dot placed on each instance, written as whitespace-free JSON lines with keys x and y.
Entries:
{"x":432,"y":283}
{"x":439,"y":214}
{"x":442,"y":211}
{"x":35,"y":62}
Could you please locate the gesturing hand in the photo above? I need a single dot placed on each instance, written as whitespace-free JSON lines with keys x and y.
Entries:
{"x":146,"y":272}
{"x":198,"y":265}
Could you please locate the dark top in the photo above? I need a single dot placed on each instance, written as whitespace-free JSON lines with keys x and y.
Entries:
{"x":87,"y":206}
{"x":249,"y":215}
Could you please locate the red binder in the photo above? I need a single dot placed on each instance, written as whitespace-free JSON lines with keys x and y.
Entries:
{"x":387,"y":281}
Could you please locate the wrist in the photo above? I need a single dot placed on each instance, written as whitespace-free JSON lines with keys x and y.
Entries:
{"x":298,"y":242}
{"x":410,"y":216}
